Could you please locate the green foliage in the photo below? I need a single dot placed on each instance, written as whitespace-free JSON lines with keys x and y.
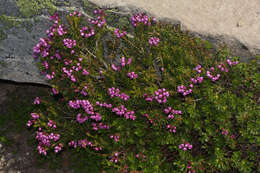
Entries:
{"x":29,"y":8}
{"x":219,"y":118}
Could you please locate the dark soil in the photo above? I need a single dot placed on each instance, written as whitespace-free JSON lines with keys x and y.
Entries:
{"x":17,"y":154}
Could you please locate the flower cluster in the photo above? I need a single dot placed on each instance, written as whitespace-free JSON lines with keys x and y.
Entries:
{"x":75,"y":13}
{"x":185,"y":146}
{"x":58,"y":148}
{"x":42,"y":48}
{"x":185,"y":91}
{"x":80,"y":119}
{"x":171,"y":112}
{"x":49,"y":77}
{"x":161,"y":95}
{"x":115,"y":137}
{"x":54,"y":91}
{"x":82,"y":103}
{"x":115,"y":92}
{"x":230,"y":63}
{"x":96,"y":117}
{"x":213,"y":78}
{"x":69,"y":74}
{"x":55,"y":17}
{"x":224,"y":132}
{"x":147,"y":116}
{"x":100,"y":126}
{"x":51,"y":31}
{"x":84,"y":91}
{"x":197,"y":80}
{"x":61,"y":30}
{"x":198,"y":68}
{"x":123,"y":111}
{"x":154,"y":41}
{"x":85,"y":72}
{"x":115,"y":158}
{"x":57,"y":55}
{"x":123,"y":63}
{"x":104,"y":104}
{"x":171,"y":128}
{"x":132,"y":75}
{"x":84,"y":143}
{"x":52,"y":124}
{"x":86,"y":35}
{"x":35,"y":117}
{"x":140,"y":18}
{"x":148,"y":98}
{"x":67,"y":61}
{"x":46,"y":65}
{"x":222,"y":67}
{"x":189,"y":167}
{"x":77,"y":68}
{"x":100,"y":19}
{"x":44,"y":140}
{"x":182,"y":89}
{"x":69,"y":43}
{"x":118,"y":34}
{"x":36,"y":101}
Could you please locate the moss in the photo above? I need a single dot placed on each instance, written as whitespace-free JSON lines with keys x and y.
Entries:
{"x":29,"y":8}
{"x":3,"y":64}
{"x":12,"y":21}
{"x":86,"y":3}
{"x":9,"y":21}
{"x":2,"y":35}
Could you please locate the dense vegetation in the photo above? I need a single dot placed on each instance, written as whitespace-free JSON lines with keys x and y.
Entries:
{"x":151,"y":100}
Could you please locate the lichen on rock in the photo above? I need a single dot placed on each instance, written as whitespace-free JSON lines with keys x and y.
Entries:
{"x":30,"y":8}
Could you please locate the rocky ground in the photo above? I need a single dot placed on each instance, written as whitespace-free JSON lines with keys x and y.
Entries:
{"x":17,"y":155}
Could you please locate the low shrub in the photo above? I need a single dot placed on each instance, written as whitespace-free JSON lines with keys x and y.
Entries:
{"x":153,"y":100}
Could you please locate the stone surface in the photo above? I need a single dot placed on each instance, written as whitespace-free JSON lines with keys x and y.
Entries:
{"x":23,"y":22}
{"x":233,"y":22}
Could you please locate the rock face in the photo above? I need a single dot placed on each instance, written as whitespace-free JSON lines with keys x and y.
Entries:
{"x":23,"y":22}
{"x":233,"y":22}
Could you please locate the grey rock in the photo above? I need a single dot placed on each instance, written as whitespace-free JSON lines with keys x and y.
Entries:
{"x":10,"y":162}
{"x":231,"y":22}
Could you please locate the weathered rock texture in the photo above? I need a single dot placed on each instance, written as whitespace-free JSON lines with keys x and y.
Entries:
{"x":223,"y":21}
{"x":23,"y":22}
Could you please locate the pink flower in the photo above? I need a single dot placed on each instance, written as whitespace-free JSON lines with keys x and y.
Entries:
{"x":36,"y":101}
{"x":58,"y":148}
{"x":35,"y":116}
{"x":85,"y":72}
{"x":81,"y":120}
{"x":52,"y":124}
{"x":29,"y":123}
{"x":154,"y":41}
{"x":132,"y":75}
{"x":54,"y":91}
{"x":185,"y":146}
{"x":119,"y":34}
{"x":129,"y":61}
{"x":123,"y":61}
{"x":114,"y":67}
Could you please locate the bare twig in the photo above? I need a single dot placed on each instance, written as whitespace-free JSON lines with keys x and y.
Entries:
{"x":90,"y":53}
{"x":197,"y":100}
